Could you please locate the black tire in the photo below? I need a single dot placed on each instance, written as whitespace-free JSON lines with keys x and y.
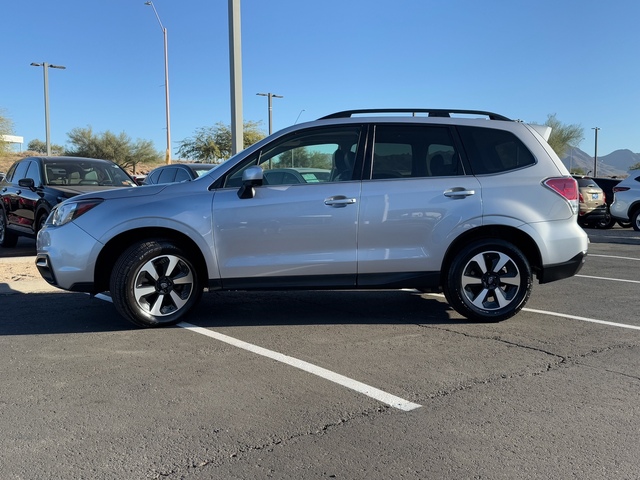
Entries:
{"x":154,"y":284}
{"x":624,"y":224}
{"x":7,"y":239}
{"x":635,"y":220}
{"x":488,"y":281}
{"x":42,"y":217}
{"x":607,"y":222}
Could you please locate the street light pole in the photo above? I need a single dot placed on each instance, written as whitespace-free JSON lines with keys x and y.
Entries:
{"x":166,"y":83}
{"x":595,"y":156}
{"x":270,"y":96}
{"x":45,"y":67}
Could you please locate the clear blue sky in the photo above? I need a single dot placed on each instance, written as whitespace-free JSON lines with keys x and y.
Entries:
{"x":579,"y":59}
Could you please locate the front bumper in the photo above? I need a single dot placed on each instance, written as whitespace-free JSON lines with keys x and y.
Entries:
{"x":65,"y":257}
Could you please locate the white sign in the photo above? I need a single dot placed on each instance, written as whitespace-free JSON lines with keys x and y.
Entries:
{"x":12,"y":139}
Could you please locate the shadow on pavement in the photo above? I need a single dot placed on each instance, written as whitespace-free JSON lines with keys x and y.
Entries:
{"x":61,"y":313}
{"x":26,"y":247}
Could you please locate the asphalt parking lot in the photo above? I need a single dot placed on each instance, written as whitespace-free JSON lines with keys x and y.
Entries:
{"x":349,"y":385}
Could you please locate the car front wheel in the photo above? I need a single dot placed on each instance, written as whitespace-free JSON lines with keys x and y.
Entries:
{"x":155,"y":283}
{"x":488,"y":281}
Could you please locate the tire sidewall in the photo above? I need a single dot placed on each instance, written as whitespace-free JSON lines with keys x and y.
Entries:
{"x":125,"y":273}
{"x":454,"y":290}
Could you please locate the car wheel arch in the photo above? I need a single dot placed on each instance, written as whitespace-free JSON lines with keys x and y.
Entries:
{"x":510,"y":234}
{"x":112,"y":250}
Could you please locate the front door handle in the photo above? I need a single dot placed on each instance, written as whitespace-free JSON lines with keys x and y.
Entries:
{"x":458,"y":192}
{"x":339,"y":201}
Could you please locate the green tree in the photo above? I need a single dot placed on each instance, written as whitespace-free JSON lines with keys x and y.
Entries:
{"x":6,"y":128}
{"x":39,"y":146}
{"x":117,"y":148}
{"x":213,"y":144}
{"x":563,"y":136}
{"x":635,"y":166}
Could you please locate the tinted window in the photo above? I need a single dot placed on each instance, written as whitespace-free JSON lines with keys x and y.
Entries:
{"x":414,"y":151}
{"x":33,"y":172}
{"x":20,"y":171}
{"x":492,"y":151}
{"x":586,"y":182}
{"x":182,"y":175}
{"x":167,"y":175}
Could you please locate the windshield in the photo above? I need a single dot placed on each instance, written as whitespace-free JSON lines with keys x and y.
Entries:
{"x":86,"y":172}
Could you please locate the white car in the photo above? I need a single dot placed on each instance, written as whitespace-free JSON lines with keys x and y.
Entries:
{"x":427,"y":199}
{"x":626,"y":201}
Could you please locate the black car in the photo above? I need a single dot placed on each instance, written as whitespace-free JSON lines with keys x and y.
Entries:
{"x":34,"y":185}
{"x":177,"y":172}
{"x":607,"y":184}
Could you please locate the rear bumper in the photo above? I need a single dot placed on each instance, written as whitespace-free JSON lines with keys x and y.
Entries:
{"x":594,"y":215}
{"x":563,"y":270}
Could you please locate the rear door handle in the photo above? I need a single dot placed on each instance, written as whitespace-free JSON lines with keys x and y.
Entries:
{"x":339,"y":201}
{"x":458,"y":192}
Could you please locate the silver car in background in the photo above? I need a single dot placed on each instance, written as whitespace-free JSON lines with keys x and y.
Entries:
{"x":626,"y":201}
{"x":469,"y":203}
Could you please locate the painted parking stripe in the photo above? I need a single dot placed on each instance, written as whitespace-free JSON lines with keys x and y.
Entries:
{"x":614,"y":256}
{"x":583,"y":319}
{"x":571,"y":317}
{"x":376,"y":394}
{"x":608,"y":278}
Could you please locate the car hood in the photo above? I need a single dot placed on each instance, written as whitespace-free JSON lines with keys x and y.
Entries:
{"x":71,"y":190}
{"x":107,"y":193}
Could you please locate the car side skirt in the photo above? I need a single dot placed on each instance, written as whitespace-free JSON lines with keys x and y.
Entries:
{"x":372,"y":281}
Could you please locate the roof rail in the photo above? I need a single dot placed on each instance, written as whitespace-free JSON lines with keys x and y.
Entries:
{"x":432,"y":112}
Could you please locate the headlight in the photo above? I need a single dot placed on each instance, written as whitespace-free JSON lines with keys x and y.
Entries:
{"x":68,"y":211}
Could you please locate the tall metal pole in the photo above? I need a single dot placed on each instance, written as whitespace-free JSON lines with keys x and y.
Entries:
{"x":45,"y":67}
{"x":595,"y":155}
{"x":166,"y":83}
{"x":270,"y":96}
{"x":235,"y":64}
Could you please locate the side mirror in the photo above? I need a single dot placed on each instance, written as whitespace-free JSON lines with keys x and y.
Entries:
{"x":251,"y":177}
{"x":27,"y":183}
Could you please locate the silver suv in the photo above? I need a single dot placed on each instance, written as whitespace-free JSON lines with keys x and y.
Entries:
{"x":433,"y":200}
{"x":626,"y":201}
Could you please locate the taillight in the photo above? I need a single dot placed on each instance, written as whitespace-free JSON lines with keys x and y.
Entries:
{"x":581,"y":198}
{"x":566,"y":187}
{"x":620,"y":189}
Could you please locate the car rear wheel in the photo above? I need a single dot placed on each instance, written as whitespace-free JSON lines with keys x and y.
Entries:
{"x":155,"y":283}
{"x":607,"y":222}
{"x":488,"y":281}
{"x":635,"y":220}
{"x":7,"y":239}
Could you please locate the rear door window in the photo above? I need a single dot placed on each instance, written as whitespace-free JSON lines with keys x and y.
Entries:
{"x":493,"y":151}
{"x":414,"y":151}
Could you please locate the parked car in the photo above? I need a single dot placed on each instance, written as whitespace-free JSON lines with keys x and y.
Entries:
{"x":626,"y":201}
{"x":34,"y":185}
{"x":433,"y":200}
{"x":607,"y":184}
{"x":176,"y":172}
{"x":593,"y":207}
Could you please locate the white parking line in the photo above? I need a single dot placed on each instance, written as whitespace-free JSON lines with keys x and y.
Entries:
{"x":608,"y":278}
{"x":375,"y":393}
{"x":372,"y":392}
{"x":614,"y":256}
{"x":583,"y":319}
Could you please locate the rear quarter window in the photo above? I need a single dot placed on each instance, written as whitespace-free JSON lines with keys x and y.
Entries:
{"x":494,"y":151}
